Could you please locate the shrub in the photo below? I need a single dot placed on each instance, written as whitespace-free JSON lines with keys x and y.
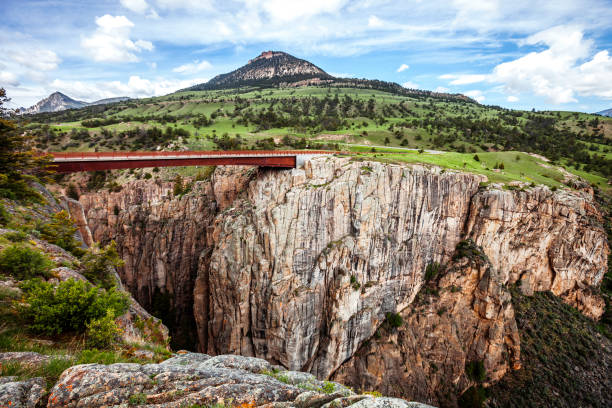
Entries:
{"x":475,"y":370}
{"x":16,"y":236}
{"x":103,"y":332}
{"x":473,"y":397}
{"x":70,"y":306}
{"x":394,"y":319}
{"x":432,"y":271}
{"x":61,"y":231}
{"x":5,"y":216}
{"x":468,"y":249}
{"x":354,"y":283}
{"x":72,"y":192}
{"x":137,"y":399}
{"x":23,"y":262}
{"x":97,"y":265}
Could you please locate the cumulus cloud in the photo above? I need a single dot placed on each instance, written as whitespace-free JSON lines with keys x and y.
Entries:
{"x":137,"y":6}
{"x":410,"y":85}
{"x":111,"y":41}
{"x":475,"y":94}
{"x":192,"y":68}
{"x":403,"y":67}
{"x":441,"y":89}
{"x":8,"y":79}
{"x":561,"y":71}
{"x":464,"y":79}
{"x":565,"y":69}
{"x":135,"y":87}
{"x":375,"y":22}
{"x":36,"y":59}
{"x":512,"y":98}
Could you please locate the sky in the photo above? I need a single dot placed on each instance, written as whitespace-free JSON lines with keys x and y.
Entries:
{"x":521,"y":54}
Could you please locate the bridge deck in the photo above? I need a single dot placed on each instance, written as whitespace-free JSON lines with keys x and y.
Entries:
{"x":90,"y":161}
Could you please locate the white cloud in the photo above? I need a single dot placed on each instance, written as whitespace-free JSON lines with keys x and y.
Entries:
{"x":194,"y":67}
{"x":136,"y":87}
{"x":284,"y":10}
{"x":559,"y":73}
{"x":8,"y":79}
{"x":403,"y":67}
{"x":410,"y":85}
{"x":36,"y":59}
{"x":111,"y":41}
{"x":137,"y":6}
{"x":512,"y":98}
{"x":475,"y":94}
{"x":375,"y":22}
{"x":441,"y":89}
{"x":464,"y":79}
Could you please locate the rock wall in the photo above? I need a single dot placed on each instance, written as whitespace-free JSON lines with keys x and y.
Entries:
{"x":300,"y":267}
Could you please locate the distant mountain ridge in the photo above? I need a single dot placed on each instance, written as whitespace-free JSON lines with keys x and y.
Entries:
{"x":606,"y":112}
{"x":57,"y":101}
{"x":269,"y":68}
{"x":277,"y":68}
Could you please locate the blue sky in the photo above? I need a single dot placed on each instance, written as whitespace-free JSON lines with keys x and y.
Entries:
{"x":519,"y":54}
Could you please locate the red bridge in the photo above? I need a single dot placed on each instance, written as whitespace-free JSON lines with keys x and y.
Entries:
{"x":73,"y":162}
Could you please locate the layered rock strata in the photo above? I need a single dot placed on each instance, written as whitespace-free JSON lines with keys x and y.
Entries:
{"x":301,"y":267}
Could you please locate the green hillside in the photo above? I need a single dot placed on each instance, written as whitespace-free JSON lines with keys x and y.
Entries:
{"x":343,"y":118}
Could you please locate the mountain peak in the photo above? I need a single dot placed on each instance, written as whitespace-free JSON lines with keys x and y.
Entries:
{"x":265,"y":55}
{"x":269,"y":68}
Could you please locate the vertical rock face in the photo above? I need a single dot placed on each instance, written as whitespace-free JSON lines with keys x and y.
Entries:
{"x":307,"y":263}
{"x":463,"y":316}
{"x":546,"y":241}
{"x":301,"y":267}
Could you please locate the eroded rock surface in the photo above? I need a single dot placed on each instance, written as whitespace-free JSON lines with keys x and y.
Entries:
{"x":21,"y":394}
{"x":300,"y":267}
{"x":199,"y":379}
{"x":463,"y":315}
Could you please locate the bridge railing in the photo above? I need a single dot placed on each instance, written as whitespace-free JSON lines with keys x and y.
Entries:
{"x":89,"y":156}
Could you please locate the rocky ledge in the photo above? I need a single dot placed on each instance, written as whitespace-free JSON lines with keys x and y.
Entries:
{"x":189,"y":380}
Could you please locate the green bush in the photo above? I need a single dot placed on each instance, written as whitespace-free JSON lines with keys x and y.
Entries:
{"x":473,"y":397}
{"x":61,"y":232}
{"x":97,"y":265}
{"x":23,"y":262}
{"x":432,"y":271}
{"x":68,"y":307}
{"x":394,"y":319}
{"x":16,"y":236}
{"x":475,"y":371}
{"x":5,"y":216}
{"x":103,"y":332}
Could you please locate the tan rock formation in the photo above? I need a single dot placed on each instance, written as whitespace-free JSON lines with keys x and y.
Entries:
{"x":300,"y":267}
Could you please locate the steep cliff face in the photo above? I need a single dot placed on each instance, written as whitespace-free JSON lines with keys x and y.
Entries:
{"x":160,"y":238}
{"x":301,"y":267}
{"x":463,"y":315}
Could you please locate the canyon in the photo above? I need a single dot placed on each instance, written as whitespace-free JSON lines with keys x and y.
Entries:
{"x":306,"y":268}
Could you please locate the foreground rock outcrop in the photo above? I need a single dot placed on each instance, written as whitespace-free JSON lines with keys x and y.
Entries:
{"x":190,"y":379}
{"x":302,"y":267}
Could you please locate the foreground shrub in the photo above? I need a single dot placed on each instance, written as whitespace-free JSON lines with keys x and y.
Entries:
{"x":98,"y":265}
{"x":60,"y":230}
{"x":22,"y":262}
{"x":70,"y":306}
{"x":103,"y":332}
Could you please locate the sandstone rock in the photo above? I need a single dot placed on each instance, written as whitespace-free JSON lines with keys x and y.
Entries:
{"x":185,"y":380}
{"x":300,"y":267}
{"x":465,"y":315}
{"x":388,"y":403}
{"x":21,"y":394}
{"x":27,"y":358}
